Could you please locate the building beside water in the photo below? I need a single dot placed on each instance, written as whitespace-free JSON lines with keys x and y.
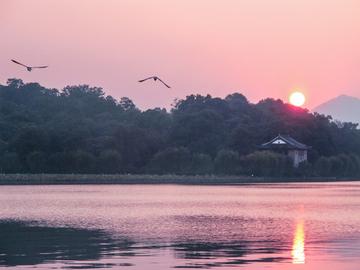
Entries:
{"x":284,"y":144}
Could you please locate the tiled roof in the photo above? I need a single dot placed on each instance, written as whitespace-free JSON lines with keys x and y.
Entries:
{"x":284,"y":141}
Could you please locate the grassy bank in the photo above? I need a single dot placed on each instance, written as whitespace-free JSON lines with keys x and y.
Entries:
{"x":57,"y":179}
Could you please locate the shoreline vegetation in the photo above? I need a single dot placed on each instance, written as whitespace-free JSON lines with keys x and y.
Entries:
{"x":82,"y":131}
{"x":122,"y":179}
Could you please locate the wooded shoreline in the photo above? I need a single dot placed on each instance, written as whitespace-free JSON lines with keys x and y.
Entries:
{"x":79,"y":129}
{"x":99,"y":179}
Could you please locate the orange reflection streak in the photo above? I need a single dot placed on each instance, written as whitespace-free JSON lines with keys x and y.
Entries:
{"x":298,"y":248}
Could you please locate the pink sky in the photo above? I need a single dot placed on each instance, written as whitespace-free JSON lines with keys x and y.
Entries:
{"x":261,"y":48}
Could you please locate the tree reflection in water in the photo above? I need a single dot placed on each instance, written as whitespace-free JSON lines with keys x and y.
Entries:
{"x":29,"y":244}
{"x":212,"y":254}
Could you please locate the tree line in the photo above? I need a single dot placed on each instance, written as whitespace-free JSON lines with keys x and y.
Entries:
{"x":80,"y":129}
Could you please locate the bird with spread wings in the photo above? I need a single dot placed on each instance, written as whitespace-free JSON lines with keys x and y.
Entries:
{"x":27,"y":67}
{"x":155,"y":78}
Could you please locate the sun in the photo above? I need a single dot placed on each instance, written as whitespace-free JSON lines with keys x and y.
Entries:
{"x":297,"y":99}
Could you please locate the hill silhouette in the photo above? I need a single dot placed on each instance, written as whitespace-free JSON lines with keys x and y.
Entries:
{"x":344,"y":108}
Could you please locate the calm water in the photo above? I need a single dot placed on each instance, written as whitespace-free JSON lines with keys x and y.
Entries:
{"x":280,"y":226}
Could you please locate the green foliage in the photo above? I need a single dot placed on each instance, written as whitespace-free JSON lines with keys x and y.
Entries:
{"x":201,"y":164}
{"x":227,"y":162}
{"x":36,"y":162}
{"x":81,"y":130}
{"x":171,"y":160}
{"x":110,"y":161}
{"x":10,"y":163}
{"x":267,"y":163}
{"x":323,"y":166}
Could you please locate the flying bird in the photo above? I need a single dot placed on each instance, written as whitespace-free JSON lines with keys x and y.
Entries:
{"x":155,"y":78}
{"x":27,"y":67}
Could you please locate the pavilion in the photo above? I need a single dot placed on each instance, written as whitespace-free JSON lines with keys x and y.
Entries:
{"x":287,"y":145}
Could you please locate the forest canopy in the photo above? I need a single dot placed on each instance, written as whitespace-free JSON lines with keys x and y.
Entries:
{"x":80,"y":129}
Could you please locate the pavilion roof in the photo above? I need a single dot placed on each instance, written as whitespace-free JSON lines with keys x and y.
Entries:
{"x":284,"y":142}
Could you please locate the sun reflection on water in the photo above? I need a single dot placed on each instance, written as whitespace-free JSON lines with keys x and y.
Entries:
{"x":298,"y":248}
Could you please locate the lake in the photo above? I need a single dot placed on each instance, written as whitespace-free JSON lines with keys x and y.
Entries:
{"x":273,"y":226}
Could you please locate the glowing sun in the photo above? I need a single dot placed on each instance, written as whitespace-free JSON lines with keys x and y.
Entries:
{"x":297,"y":99}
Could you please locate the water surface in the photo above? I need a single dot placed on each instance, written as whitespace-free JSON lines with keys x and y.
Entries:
{"x":277,"y":226}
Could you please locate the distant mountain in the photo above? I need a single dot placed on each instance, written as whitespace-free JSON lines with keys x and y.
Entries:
{"x":343,"y":108}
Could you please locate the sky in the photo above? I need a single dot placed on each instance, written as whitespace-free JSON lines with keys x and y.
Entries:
{"x":261,"y":48}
